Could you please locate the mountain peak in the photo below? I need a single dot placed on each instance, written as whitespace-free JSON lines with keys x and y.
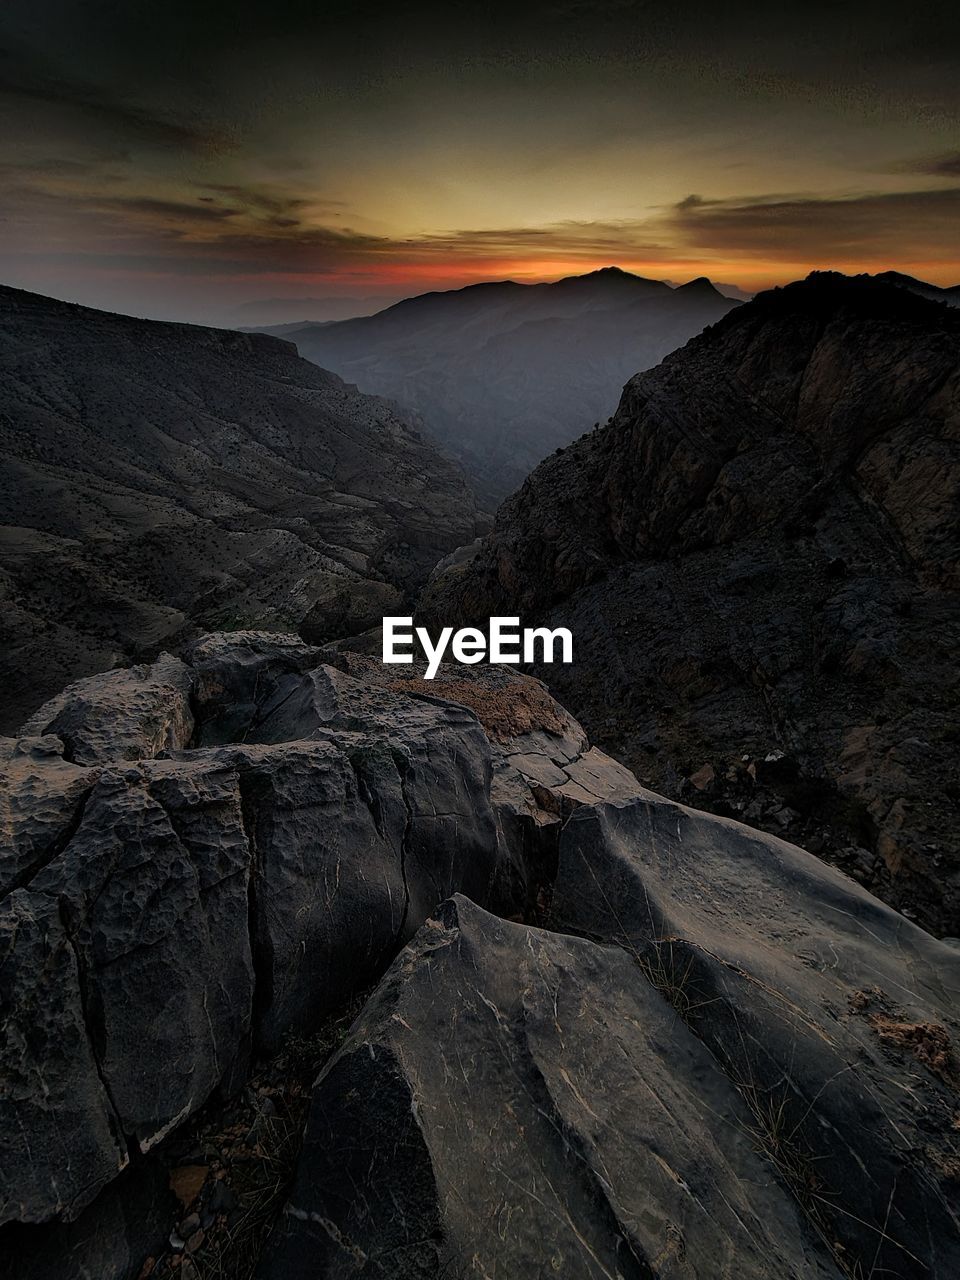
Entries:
{"x":700,"y":284}
{"x":607,"y":276}
{"x":551,"y":359}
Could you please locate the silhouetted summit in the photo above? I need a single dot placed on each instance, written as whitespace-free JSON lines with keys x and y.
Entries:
{"x":950,"y":295}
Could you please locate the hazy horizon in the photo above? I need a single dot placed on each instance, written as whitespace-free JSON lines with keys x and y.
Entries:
{"x":188,"y":162}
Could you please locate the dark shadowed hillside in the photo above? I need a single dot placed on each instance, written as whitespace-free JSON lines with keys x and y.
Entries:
{"x":504,"y":373}
{"x":156,"y":476}
{"x":760,"y":559}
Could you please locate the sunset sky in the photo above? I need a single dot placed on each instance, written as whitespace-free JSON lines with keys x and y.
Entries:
{"x":210,"y":161}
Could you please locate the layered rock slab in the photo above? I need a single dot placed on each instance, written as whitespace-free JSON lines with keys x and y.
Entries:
{"x":721,"y":1059}
{"x":836,"y":1019}
{"x":518,"y":1102}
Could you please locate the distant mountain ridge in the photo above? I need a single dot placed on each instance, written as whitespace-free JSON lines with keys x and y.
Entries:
{"x":501,"y":373}
{"x":950,"y":294}
{"x":158,"y":477}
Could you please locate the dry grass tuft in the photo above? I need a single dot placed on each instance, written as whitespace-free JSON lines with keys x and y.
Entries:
{"x":250,"y":1149}
{"x":522,"y":706}
{"x":929,"y":1042}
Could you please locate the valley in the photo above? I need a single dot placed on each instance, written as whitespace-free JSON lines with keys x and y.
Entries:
{"x":503,"y":373}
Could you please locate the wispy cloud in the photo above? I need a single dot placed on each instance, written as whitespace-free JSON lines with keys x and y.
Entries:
{"x":944,"y":165}
{"x":28,"y":79}
{"x":886,"y":226}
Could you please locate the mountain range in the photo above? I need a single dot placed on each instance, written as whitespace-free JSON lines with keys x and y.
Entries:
{"x":502,"y":373}
{"x":950,"y":295}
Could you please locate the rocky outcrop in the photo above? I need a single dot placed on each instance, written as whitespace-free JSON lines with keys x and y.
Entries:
{"x":615,"y":1035}
{"x":758,"y":562}
{"x":207,"y":856}
{"x":157,"y":480}
{"x":503,"y":373}
{"x":515,"y":1099}
{"x":720,"y":1059}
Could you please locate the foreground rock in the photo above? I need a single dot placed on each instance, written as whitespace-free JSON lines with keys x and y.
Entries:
{"x":207,"y":856}
{"x":758,"y":561}
{"x":160,"y":479}
{"x":722,"y":1059}
{"x":620,"y":1036}
{"x":519,"y":1100}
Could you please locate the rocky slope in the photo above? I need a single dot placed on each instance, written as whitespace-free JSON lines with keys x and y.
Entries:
{"x":760,"y":559}
{"x":504,"y":373}
{"x":620,"y":1037}
{"x":155,"y":478}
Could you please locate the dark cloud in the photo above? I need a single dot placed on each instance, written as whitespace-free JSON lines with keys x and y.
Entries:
{"x":946,"y":165}
{"x":237,"y":232}
{"x":112,"y":58}
{"x":261,"y":200}
{"x":810,"y":228}
{"x":180,"y":213}
{"x":27,"y":79}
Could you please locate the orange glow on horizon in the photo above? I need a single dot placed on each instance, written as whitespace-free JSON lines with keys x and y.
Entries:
{"x":749,"y":274}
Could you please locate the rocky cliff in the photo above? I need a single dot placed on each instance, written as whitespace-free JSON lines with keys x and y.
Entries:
{"x":609,"y":1035}
{"x":758,"y":558}
{"x":159,"y":478}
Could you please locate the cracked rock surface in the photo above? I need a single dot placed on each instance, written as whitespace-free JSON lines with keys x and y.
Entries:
{"x":515,"y":1101}
{"x":680,"y":1077}
{"x":205,"y":856}
{"x":612,"y":1036}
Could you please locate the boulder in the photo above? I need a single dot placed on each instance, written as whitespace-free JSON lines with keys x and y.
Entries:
{"x":133,"y":714}
{"x":837,"y":1020}
{"x":238,"y":845}
{"x":519,"y":1102}
{"x":721,"y":1058}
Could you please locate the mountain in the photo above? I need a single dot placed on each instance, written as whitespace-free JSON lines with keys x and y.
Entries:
{"x":157,"y":477}
{"x":759,"y":559}
{"x":312,"y":970}
{"x":950,"y":295}
{"x":503,"y":373}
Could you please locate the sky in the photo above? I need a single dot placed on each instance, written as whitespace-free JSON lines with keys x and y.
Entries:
{"x":255,"y":162}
